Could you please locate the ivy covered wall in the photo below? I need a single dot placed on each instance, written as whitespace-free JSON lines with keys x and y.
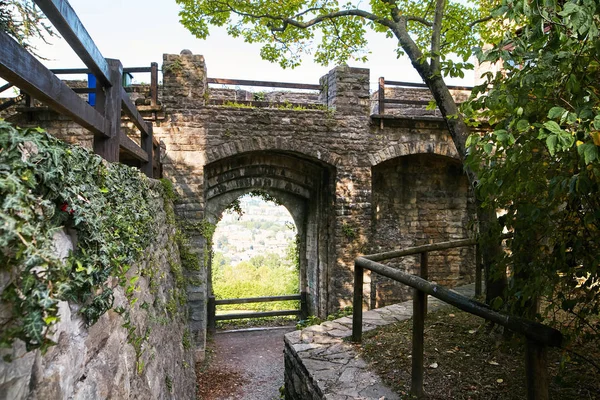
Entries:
{"x":92,"y":288}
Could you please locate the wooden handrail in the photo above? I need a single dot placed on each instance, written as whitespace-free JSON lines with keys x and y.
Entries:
{"x":24,"y":71}
{"x":132,"y":112}
{"x":424,"y":86}
{"x":265,"y":299}
{"x":212,"y":316}
{"x":68,"y":24}
{"x":75,"y":71}
{"x":241,"y":82}
{"x":382,"y":101}
{"x":539,"y":336}
{"x":530,"y":329}
{"x":6,"y":87}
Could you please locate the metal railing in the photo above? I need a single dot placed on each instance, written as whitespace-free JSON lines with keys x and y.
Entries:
{"x":539,"y":336}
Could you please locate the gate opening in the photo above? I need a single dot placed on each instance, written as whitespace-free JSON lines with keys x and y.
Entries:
{"x":255,"y":271}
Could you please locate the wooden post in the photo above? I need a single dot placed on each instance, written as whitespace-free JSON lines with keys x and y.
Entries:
{"x":536,"y":369}
{"x":148,"y":146}
{"x":108,"y":147}
{"x":154,"y":84}
{"x":477,"y":270}
{"x":381,"y":96}
{"x":418,"y":341}
{"x":303,"y":306}
{"x":424,"y":273}
{"x":357,"y":304}
{"x":212,"y":312}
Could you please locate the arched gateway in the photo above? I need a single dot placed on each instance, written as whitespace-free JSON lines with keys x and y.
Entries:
{"x":355,"y":182}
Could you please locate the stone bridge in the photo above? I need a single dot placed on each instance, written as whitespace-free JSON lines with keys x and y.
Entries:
{"x":353,"y":181}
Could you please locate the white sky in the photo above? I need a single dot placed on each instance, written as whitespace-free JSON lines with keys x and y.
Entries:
{"x":138,"y":32}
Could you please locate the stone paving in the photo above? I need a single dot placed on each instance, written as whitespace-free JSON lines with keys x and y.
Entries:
{"x":321,"y":364}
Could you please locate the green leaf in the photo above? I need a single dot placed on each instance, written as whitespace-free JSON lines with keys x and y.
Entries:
{"x":488,"y":147}
{"x":553,"y":127}
{"x":551,"y":143}
{"x":556,"y":112}
{"x":589,"y":151}
{"x":522,"y":125}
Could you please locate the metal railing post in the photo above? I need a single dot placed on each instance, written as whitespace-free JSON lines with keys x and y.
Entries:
{"x":357,"y":303}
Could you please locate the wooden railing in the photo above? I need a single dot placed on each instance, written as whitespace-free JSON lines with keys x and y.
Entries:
{"x":258,"y":102}
{"x":539,"y":337}
{"x":302,"y":312}
{"x":382,"y":101}
{"x":21,"y":69}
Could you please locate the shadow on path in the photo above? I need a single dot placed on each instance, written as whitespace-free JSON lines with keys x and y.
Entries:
{"x":244,"y":365}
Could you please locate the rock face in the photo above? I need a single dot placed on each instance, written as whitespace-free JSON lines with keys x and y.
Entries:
{"x":151,"y":360}
{"x":355,"y":183}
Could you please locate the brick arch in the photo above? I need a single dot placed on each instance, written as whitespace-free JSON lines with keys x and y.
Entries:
{"x":445,"y":149}
{"x":273,"y":143}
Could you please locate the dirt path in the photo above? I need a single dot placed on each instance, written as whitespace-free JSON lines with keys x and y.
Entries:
{"x":244,"y":366}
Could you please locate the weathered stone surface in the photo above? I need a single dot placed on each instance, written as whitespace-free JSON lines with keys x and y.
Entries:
{"x":100,"y":362}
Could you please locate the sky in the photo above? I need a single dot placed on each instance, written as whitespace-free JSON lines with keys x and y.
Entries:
{"x":138,"y":32}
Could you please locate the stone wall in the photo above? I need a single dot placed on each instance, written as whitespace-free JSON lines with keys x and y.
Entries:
{"x":329,"y":166}
{"x":420,"y":199}
{"x":105,"y":360}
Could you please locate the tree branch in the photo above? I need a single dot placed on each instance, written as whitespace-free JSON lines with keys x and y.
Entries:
{"x":480,"y":20}
{"x":436,"y":34}
{"x":343,"y":13}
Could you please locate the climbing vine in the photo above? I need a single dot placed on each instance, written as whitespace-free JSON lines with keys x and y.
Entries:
{"x":45,"y":186}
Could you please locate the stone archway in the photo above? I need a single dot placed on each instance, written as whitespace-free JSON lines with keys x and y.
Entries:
{"x":418,"y":199}
{"x":304,"y":186}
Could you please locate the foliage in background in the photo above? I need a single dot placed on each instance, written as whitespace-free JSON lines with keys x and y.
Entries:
{"x":24,"y":21}
{"x":262,"y":275}
{"x":45,"y":185}
{"x":541,"y":161}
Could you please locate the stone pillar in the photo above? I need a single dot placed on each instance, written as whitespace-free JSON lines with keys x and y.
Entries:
{"x":346,"y":90}
{"x":184,"y":92}
{"x":184,"y":80}
{"x":352,"y":231}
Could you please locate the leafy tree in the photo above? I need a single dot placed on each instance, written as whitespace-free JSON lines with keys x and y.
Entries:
{"x":22,"y":20}
{"x":431,"y":33}
{"x":541,"y":161}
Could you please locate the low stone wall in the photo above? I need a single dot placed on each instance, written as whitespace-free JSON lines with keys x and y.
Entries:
{"x":321,"y":363}
{"x":146,"y":352}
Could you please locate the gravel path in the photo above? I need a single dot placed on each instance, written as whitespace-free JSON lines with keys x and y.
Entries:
{"x":253,"y":361}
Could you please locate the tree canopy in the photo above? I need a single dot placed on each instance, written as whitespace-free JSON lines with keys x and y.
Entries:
{"x":540,"y":160}
{"x":22,"y":20}
{"x":331,"y":31}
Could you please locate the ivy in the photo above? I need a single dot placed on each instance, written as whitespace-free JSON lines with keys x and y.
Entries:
{"x":45,"y":186}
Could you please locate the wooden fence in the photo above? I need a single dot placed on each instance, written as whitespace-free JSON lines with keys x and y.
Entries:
{"x":539,"y":336}
{"x":21,"y":69}
{"x":257,"y":102}
{"x":302,"y":312}
{"x":382,"y":101}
